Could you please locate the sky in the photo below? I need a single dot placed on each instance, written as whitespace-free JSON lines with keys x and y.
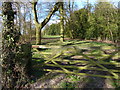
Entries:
{"x":81,"y":4}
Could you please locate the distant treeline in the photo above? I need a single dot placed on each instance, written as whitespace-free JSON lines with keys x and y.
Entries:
{"x":99,"y":21}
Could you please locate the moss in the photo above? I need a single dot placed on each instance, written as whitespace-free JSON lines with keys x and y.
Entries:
{"x":16,"y":57}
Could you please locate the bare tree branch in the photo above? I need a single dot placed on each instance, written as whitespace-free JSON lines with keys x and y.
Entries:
{"x":55,"y":8}
{"x":38,"y":25}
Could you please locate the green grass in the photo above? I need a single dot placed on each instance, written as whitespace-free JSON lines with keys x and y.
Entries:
{"x":51,"y":36}
{"x":68,"y":85}
{"x":95,"y":49}
{"x":74,"y":77}
{"x":37,"y":72}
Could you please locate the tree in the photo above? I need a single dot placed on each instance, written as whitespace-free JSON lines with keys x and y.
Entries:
{"x":69,"y":8}
{"x":106,"y":21}
{"x":38,"y":25}
{"x":118,"y":23}
{"x":10,"y":37}
{"x":61,"y":22}
{"x":77,"y":25}
{"x":16,"y":64}
{"x":53,"y":29}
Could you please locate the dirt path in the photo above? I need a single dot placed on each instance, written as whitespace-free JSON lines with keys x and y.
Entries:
{"x":54,"y":80}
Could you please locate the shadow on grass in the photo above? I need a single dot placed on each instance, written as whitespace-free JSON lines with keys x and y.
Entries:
{"x":42,"y":49}
{"x":94,"y":82}
{"x":37,"y":72}
{"x":48,"y":41}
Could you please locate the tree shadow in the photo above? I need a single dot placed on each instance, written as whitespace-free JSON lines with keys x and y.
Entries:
{"x":93,"y":82}
{"x":98,"y":82}
{"x":36,"y":72}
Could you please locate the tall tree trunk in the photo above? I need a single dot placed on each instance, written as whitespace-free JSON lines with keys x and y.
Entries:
{"x":71,"y":6}
{"x":61,"y":23}
{"x":24,"y":24}
{"x":24,"y":20}
{"x":19,"y":16}
{"x":109,"y":29}
{"x":38,"y":25}
{"x":38,"y":34}
{"x":30,"y":26}
{"x":8,"y":46}
{"x":15,"y":60}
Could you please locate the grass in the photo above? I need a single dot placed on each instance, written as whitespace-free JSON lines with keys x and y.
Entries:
{"x":74,"y":77}
{"x":72,"y":81}
{"x":51,"y":36}
{"x":95,"y":49}
{"x":68,"y":85}
{"x":37,"y":72}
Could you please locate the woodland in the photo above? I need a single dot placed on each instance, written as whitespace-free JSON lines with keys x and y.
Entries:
{"x":60,"y":45}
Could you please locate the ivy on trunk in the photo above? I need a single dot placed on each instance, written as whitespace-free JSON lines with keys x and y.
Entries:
{"x":15,"y":58}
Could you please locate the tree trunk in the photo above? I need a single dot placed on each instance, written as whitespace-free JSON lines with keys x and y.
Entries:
{"x":30,"y":26}
{"x":19,"y":16}
{"x":8,"y":46}
{"x":38,"y":25}
{"x":61,"y":23}
{"x":38,"y":35}
{"x":15,"y":59}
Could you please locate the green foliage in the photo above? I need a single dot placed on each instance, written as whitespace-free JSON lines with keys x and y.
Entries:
{"x":115,"y":83}
{"x":106,"y":20}
{"x":53,"y":29}
{"x":74,"y":77}
{"x":94,"y":22}
{"x":77,"y":24}
{"x":67,"y":85}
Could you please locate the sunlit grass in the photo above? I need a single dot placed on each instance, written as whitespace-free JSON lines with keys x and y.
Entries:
{"x":96,"y":50}
{"x":51,"y":36}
